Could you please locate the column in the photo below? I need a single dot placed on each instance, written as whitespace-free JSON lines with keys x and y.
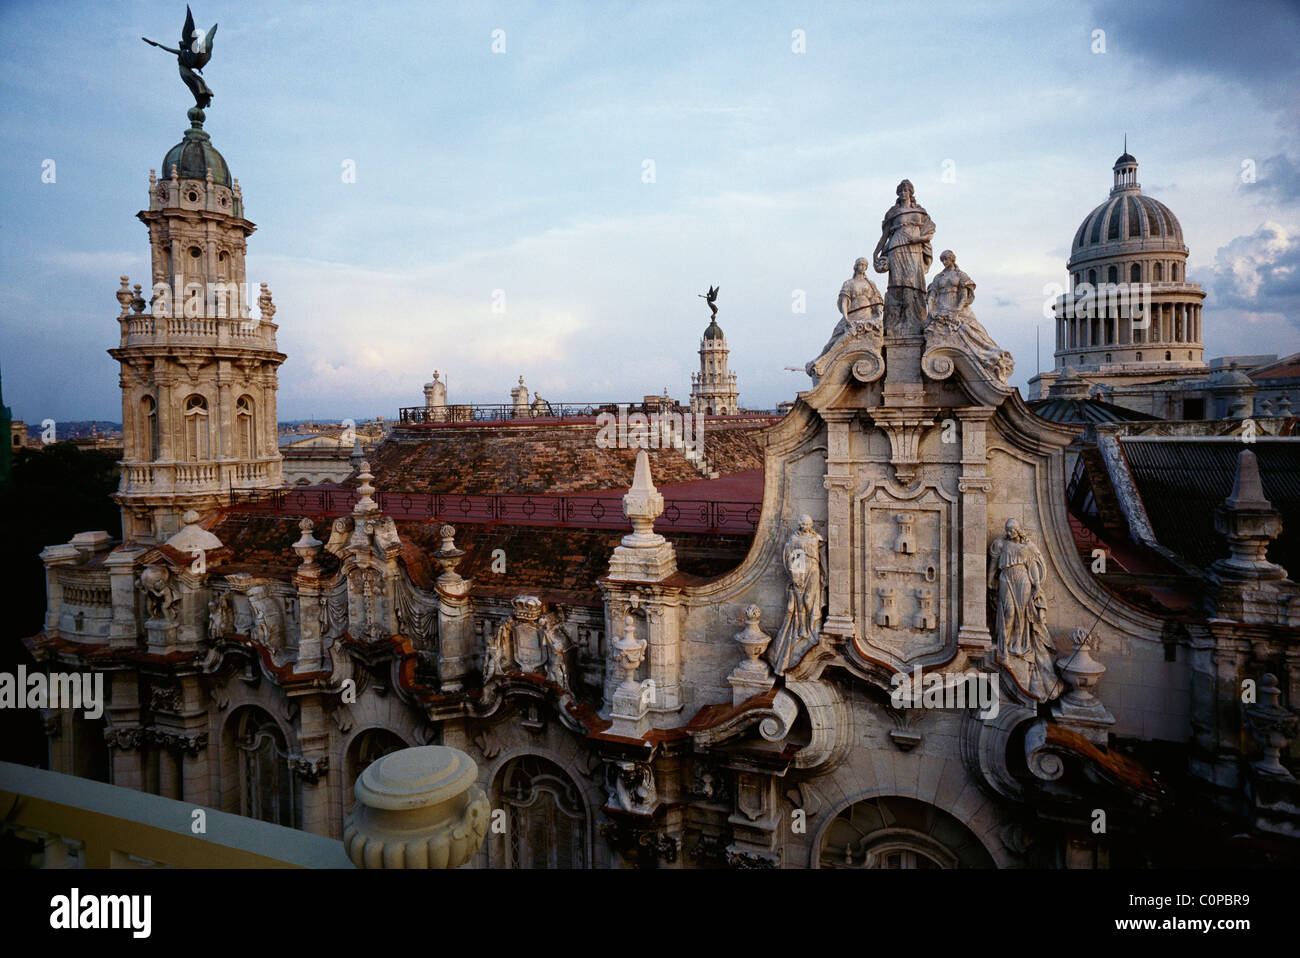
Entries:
{"x":313,"y":767}
{"x":839,"y":532}
{"x":974,"y":484}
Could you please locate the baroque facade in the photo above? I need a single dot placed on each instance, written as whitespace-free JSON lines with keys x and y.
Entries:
{"x":903,"y":659}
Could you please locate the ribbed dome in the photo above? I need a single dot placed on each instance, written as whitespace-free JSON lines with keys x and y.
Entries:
{"x":1129,"y":216}
{"x":194,"y":156}
{"x":714,"y":331}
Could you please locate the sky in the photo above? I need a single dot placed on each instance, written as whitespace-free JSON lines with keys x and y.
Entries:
{"x":521,"y":177}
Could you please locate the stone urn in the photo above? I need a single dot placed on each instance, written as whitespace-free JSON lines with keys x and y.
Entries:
{"x":1080,"y":671}
{"x":417,"y":808}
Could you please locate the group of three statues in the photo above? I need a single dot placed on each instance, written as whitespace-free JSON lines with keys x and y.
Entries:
{"x":942,"y":310}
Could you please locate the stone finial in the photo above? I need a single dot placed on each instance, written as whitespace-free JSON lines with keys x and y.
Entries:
{"x":124,"y":296}
{"x":448,"y":556}
{"x":643,"y":504}
{"x":1250,"y":523}
{"x":193,"y":538}
{"x":176,"y":174}
{"x":153,"y":178}
{"x":752,"y":676}
{"x":365,"y":506}
{"x":417,"y":808}
{"x":1273,"y":726}
{"x":308,"y":546}
{"x":629,"y":651}
{"x":1284,"y":405}
{"x":137,"y":300}
{"x":1247,"y":488}
{"x":265,"y":304}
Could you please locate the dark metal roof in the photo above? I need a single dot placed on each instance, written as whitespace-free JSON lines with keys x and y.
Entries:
{"x":1085,"y":411}
{"x":1183,"y":481}
{"x":194,"y":156}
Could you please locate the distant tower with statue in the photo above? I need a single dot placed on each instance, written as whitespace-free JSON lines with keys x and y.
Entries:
{"x":198,"y":370}
{"x":713,"y":388}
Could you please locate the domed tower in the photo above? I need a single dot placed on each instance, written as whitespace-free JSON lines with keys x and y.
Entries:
{"x":1130,"y":316}
{"x":198,"y":371}
{"x":713,"y":388}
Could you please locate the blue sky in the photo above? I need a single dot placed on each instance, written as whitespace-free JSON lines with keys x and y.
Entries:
{"x":522,"y":171}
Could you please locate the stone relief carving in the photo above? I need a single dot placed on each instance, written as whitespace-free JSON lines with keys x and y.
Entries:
{"x":268,"y":619}
{"x":1024,"y":646}
{"x":529,"y":642}
{"x":631,"y":787}
{"x":162,"y":597}
{"x":804,"y":558}
{"x":905,"y":253}
{"x":950,"y":324}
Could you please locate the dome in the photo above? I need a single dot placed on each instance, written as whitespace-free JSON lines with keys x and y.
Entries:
{"x":714,"y":331}
{"x":194,"y":156}
{"x":1127,"y":217}
{"x":1138,"y":222}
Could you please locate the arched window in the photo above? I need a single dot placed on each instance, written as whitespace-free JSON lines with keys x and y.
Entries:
{"x":267,"y":789}
{"x":893,"y":832}
{"x":1092,"y":278}
{"x":1173,"y":273}
{"x":1139,"y":357}
{"x":1112,"y":275}
{"x":365,"y":749}
{"x":1135,"y":273}
{"x":547,"y":819}
{"x":196,"y":428}
{"x":245,"y":435}
{"x":1108,"y":357}
{"x":148,"y":429}
{"x":1160,"y":272}
{"x":1167,"y":355}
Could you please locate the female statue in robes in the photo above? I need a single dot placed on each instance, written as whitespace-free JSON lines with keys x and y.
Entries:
{"x":904,"y":252}
{"x":1024,"y":647}
{"x":806,"y":566}
{"x":949,"y":319}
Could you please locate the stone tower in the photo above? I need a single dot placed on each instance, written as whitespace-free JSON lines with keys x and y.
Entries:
{"x":713,"y":388}
{"x":198,"y":371}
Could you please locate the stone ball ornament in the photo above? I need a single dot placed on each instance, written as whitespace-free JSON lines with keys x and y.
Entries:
{"x":417,"y":808}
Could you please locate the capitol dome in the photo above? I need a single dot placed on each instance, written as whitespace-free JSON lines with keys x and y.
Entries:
{"x":1130,"y":310}
{"x":1127,"y":222}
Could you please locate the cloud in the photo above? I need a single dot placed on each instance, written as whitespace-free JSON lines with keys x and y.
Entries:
{"x":1277,"y":178}
{"x":1257,"y":43}
{"x":1259,"y":274}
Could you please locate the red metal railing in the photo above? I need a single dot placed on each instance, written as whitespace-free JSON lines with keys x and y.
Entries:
{"x":593,"y":511}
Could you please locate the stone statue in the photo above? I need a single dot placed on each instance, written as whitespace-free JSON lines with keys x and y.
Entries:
{"x":194,"y":53}
{"x":555,"y":639}
{"x":805,"y":563}
{"x":712,"y":299}
{"x":904,"y":252}
{"x":221,"y":616}
{"x":160,"y":594}
{"x":496,"y":659}
{"x":1024,"y":647}
{"x":949,"y":320}
{"x":861,"y":315}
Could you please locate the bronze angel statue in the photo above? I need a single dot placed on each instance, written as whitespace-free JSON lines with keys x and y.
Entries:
{"x":194,"y":53}
{"x":712,"y":299}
